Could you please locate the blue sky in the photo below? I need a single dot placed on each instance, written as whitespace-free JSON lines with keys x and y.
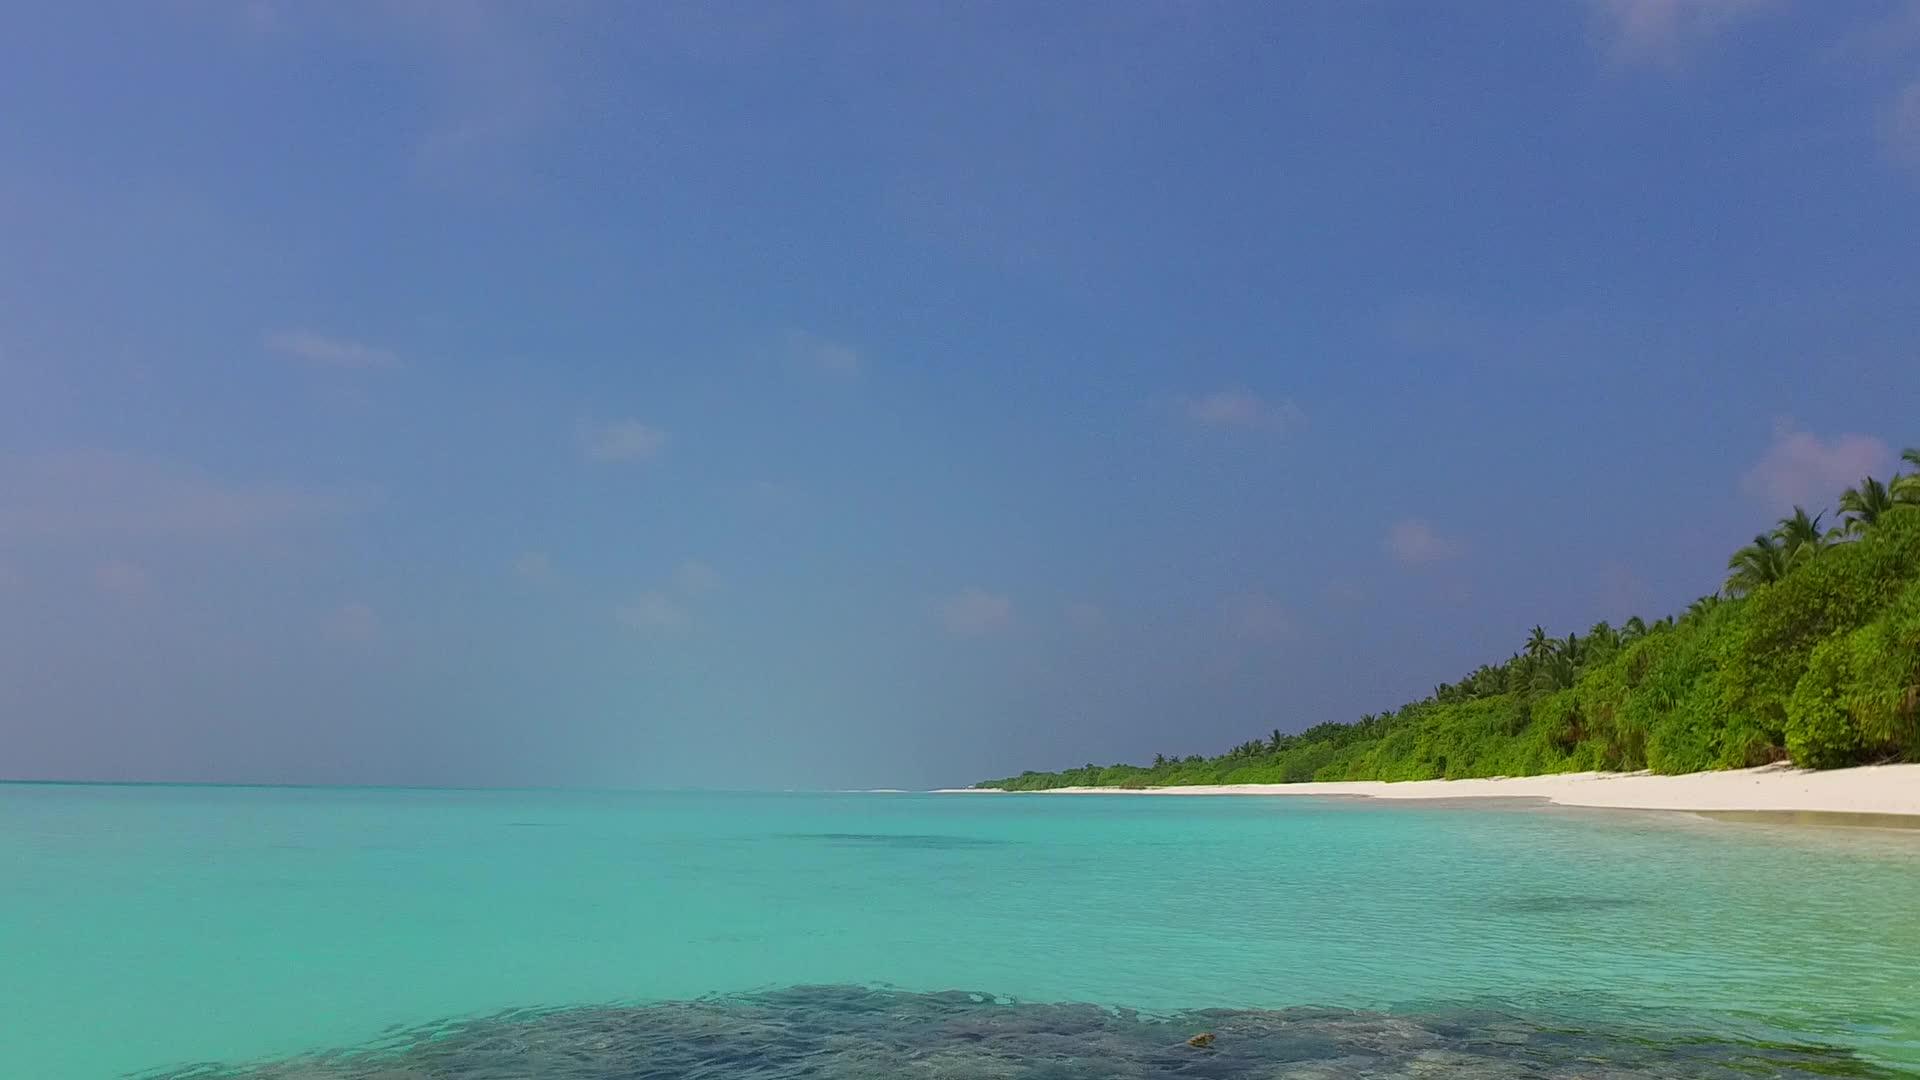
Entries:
{"x":900,"y":394}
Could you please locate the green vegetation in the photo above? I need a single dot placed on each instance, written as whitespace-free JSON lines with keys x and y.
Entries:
{"x":1810,"y":653}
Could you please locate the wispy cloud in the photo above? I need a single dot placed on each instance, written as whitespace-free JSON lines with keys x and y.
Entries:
{"x":1884,"y":52}
{"x":490,"y":64}
{"x":1463,"y":332}
{"x":1257,"y":617}
{"x":1875,"y":42}
{"x":118,"y":577}
{"x":1082,"y":615}
{"x":1343,"y":593}
{"x":974,"y":611}
{"x":1415,"y":542}
{"x":1241,"y":409}
{"x":260,"y":16}
{"x":621,"y":440}
{"x":1900,"y":128}
{"x":1661,"y":32}
{"x":353,"y":623}
{"x":670,"y":610}
{"x":321,"y":351}
{"x":76,"y":493}
{"x":652,"y":613}
{"x":774,"y":495}
{"x":1800,"y":468}
{"x":1622,"y":593}
{"x":487,"y":133}
{"x":533,"y":566}
{"x":816,"y":353}
{"x":694,"y":577}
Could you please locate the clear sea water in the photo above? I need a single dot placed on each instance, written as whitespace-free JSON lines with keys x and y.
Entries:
{"x":147,"y":929}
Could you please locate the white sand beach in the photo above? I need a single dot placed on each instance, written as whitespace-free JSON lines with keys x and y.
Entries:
{"x":1871,"y":789}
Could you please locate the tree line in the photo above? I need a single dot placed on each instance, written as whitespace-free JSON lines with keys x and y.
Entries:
{"x":1809,"y":652}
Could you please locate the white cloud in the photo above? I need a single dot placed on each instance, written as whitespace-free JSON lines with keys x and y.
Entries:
{"x":819,"y":354}
{"x":353,"y":623}
{"x":652,"y":613}
{"x":77,"y":493}
{"x":1414,"y":542}
{"x":1661,"y":31}
{"x":311,"y":348}
{"x":621,"y":440}
{"x":974,"y":611}
{"x":1240,"y":409}
{"x":533,"y":566}
{"x":694,"y":577}
{"x":1256,"y":616}
{"x":1800,"y":468}
{"x":121,"y":578}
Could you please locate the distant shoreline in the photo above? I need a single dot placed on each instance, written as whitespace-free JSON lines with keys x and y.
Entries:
{"x":1886,"y":790}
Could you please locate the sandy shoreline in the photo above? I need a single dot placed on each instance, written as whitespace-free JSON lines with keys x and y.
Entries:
{"x":1871,"y":789}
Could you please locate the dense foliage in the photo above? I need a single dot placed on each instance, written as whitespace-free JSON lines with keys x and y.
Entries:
{"x":1810,"y":653}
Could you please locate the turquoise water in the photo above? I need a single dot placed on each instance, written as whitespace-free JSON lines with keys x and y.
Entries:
{"x":146,"y":928}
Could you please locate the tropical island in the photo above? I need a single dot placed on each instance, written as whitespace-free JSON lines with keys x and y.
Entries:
{"x":1809,"y":654}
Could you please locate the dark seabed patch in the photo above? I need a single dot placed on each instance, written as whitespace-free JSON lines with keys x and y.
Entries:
{"x":918,"y":841}
{"x":860,"y":1034}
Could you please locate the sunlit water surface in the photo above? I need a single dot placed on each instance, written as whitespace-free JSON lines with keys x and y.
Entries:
{"x":320,"y":933}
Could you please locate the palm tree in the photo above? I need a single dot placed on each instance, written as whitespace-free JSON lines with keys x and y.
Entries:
{"x":1557,"y":672}
{"x":1800,"y":537}
{"x":1701,"y":607}
{"x":1759,"y":563}
{"x":1571,"y":648}
{"x":1538,"y":643}
{"x":1906,"y":489}
{"x":1634,"y":630}
{"x":1863,"y":506}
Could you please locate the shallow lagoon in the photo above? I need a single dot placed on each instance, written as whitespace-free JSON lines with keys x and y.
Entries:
{"x":149,"y":929}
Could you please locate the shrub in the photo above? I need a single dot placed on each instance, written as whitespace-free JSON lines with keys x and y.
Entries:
{"x":1820,"y":734}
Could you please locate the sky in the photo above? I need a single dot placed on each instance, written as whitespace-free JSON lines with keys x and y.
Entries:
{"x":850,"y":395}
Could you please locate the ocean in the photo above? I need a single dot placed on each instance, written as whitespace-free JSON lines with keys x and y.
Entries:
{"x":320,"y":933}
